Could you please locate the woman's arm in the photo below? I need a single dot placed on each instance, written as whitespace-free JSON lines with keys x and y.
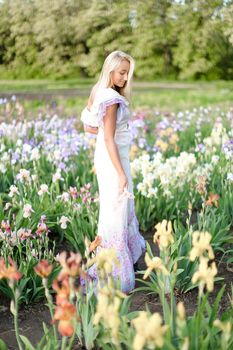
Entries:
{"x":90,"y":129}
{"x":109,"y":133}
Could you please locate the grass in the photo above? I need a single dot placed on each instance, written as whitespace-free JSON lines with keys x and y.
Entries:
{"x":38,"y":85}
{"x":159,"y":95}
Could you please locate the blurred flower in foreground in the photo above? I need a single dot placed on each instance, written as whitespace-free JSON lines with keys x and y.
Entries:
{"x":226,"y":328}
{"x":63,"y":289}
{"x":105,"y":260}
{"x":201,"y":244}
{"x":149,"y":331}
{"x":205,"y":274}
{"x":94,"y":244}
{"x":107,"y":311}
{"x":181,"y":324}
{"x":154,"y":264}
{"x":9,"y":271}
{"x":164,"y":234}
{"x":71,"y":266}
{"x":65,"y":315}
{"x":180,"y":311}
{"x":65,"y":311}
{"x":185,"y":345}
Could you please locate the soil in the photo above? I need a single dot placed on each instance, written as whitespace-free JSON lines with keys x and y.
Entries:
{"x":31,"y":318}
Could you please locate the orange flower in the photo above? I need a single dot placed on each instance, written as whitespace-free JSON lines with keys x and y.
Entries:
{"x":65,"y":315}
{"x":96,"y":243}
{"x":43,"y":268}
{"x":213,"y":199}
{"x":65,"y":328}
{"x":70,"y":266}
{"x":10,"y":272}
{"x":63,"y":290}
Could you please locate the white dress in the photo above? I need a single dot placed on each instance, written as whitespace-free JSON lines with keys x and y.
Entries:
{"x":118,"y":225}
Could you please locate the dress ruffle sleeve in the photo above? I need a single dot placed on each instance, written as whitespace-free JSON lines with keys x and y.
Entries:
{"x":104,"y":98}
{"x":108,"y":97}
{"x":89,"y":118}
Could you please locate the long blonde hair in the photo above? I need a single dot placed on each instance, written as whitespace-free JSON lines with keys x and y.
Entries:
{"x":111,"y":63}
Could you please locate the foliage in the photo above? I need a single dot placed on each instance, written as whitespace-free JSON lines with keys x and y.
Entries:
{"x":185,"y":39}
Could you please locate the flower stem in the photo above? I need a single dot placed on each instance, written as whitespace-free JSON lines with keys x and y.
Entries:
{"x":50,"y":304}
{"x":64,"y":340}
{"x":14,"y":311}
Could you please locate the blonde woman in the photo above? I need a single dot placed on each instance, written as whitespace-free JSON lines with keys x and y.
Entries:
{"x":107,"y":115}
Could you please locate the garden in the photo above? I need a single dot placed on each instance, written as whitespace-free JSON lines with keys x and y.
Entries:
{"x":181,"y":160}
{"x":182,"y":168}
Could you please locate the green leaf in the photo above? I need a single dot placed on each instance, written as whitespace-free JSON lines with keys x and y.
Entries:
{"x":3,"y":345}
{"x":27,"y":343}
{"x":215,"y":306}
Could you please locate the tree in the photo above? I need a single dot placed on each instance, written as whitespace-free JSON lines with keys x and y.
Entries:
{"x":22,"y":54}
{"x":153,"y":38}
{"x":202,"y":49}
{"x":102,"y":27}
{"x":55,"y":36}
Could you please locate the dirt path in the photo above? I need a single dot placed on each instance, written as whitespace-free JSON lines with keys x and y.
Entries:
{"x":52,"y":93}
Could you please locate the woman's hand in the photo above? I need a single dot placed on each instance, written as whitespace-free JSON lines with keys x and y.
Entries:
{"x":91,"y":129}
{"x":123,"y":183}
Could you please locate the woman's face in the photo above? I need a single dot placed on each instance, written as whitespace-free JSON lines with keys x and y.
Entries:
{"x":120,"y":75}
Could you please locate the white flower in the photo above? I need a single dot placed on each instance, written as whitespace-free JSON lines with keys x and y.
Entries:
{"x":57,"y":176}
{"x":27,"y":210}
{"x":63,"y":221}
{"x":215,"y":159}
{"x":23,"y":175}
{"x":230,"y":176}
{"x":13,"y":191}
{"x":152,"y":192}
{"x":43,"y":189}
{"x":27,"y":148}
{"x":5,"y":157}
{"x":34,"y":253}
{"x":19,"y":142}
{"x":2,"y":148}
{"x":35,"y":154}
{"x":34,"y":177}
{"x":7,"y":206}
{"x":57,"y":154}
{"x":77,"y":207}
{"x":2,"y":168}
{"x":65,"y":197}
{"x":13,"y":238}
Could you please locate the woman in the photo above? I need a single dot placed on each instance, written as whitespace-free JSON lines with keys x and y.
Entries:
{"x":107,"y":115}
